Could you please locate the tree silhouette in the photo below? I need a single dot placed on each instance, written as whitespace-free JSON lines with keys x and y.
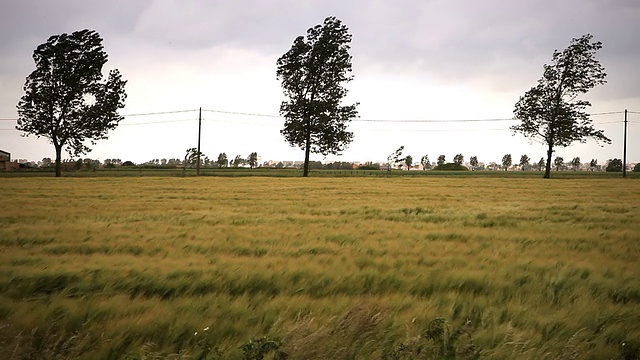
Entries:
{"x":551,"y":112}
{"x":65,"y":98}
{"x":312,"y":73}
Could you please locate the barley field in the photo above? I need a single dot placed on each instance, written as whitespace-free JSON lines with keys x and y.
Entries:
{"x":319,"y":268}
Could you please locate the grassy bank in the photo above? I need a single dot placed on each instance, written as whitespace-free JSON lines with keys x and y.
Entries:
{"x":528,"y":268}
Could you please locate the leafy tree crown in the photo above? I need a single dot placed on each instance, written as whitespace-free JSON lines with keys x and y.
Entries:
{"x":65,"y":99}
{"x":551,"y":111}
{"x":312,"y":73}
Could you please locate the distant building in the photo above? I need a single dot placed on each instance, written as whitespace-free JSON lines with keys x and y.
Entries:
{"x":5,"y":161}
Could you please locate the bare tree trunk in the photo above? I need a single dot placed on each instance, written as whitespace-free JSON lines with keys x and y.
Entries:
{"x":307,"y":152}
{"x":547,"y":172}
{"x":58,"y":159}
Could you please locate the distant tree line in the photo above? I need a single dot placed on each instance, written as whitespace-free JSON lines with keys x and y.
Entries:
{"x":396,"y":162}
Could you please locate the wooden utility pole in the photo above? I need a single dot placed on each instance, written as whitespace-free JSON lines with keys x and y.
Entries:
{"x":624,"y":152}
{"x":199,"y":133}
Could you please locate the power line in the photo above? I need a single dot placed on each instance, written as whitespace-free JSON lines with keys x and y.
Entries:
{"x":607,"y":113}
{"x":361,"y":120}
{"x":436,"y":130}
{"x":158,"y":122}
{"x":354,"y":120}
{"x":240,"y":122}
{"x":401,"y":120}
{"x":610,"y":122}
{"x":127,"y":115}
{"x":241,"y":113}
{"x":160,"y":113}
{"x":429,"y":121}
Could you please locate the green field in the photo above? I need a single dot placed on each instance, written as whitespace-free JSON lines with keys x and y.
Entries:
{"x":357,"y":267}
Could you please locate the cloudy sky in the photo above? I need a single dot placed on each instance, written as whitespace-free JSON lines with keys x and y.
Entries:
{"x":437,"y":61}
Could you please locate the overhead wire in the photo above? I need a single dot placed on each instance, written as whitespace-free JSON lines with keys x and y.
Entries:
{"x":160,"y":112}
{"x":395,"y":121}
{"x":241,"y":113}
{"x":157,"y":122}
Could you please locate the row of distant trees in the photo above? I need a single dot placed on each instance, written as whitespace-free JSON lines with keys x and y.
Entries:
{"x":192,"y":157}
{"x":405,"y":163}
{"x":189,"y":161}
{"x":507,"y":163}
{"x":395,"y":160}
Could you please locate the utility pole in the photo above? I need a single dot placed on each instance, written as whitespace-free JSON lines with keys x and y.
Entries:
{"x":199,"y":132}
{"x":624,"y":153}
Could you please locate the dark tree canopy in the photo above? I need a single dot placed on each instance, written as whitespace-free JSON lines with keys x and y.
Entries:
{"x":408,"y":160}
{"x":66,"y":99}
{"x":426,"y":164}
{"x":312,"y":73}
{"x":524,"y":161}
{"x":222,"y":161}
{"x":191,"y":157}
{"x":551,"y":112}
{"x":252,"y":159}
{"x":473,"y":161}
{"x":614,"y":165}
{"x":395,"y":158}
{"x":575,"y":162}
{"x":506,"y":161}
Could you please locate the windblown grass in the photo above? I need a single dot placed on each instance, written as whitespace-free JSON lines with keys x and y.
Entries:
{"x":102,"y":267}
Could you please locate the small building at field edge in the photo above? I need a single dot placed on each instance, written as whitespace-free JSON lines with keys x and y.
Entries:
{"x":5,"y":161}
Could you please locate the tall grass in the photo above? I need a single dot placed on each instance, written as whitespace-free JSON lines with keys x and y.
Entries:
{"x":104,"y":267}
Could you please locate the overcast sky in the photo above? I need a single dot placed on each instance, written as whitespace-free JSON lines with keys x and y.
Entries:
{"x":412,"y":60}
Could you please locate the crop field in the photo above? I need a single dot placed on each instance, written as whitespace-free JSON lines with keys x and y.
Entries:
{"x":319,"y":268}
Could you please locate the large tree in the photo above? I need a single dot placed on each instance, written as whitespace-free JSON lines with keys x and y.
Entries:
{"x":551,"y":112}
{"x":252,"y":159}
{"x":190,"y":158}
{"x":575,"y":162}
{"x":222,"y":160}
{"x":237,"y":161}
{"x":506,"y":161}
{"x":66,"y":99}
{"x":558,"y":162}
{"x":313,"y":73}
{"x":473,"y":161}
{"x":458,"y":159}
{"x":524,"y":162}
{"x":614,"y":165}
{"x":426,"y":164}
{"x":408,"y":160}
{"x":394,"y":159}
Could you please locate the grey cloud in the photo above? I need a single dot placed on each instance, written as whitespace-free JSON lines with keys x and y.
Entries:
{"x":500,"y":44}
{"x":29,"y":18}
{"x":459,"y":41}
